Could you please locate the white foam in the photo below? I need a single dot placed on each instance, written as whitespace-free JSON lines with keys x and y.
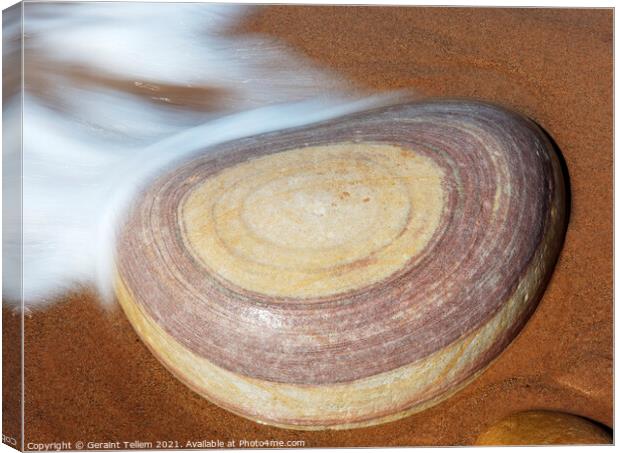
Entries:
{"x":88,"y":148}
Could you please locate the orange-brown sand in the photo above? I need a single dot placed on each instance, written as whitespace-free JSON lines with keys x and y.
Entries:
{"x":88,"y":376}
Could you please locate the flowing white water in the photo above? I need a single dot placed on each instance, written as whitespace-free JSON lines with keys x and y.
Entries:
{"x":115,"y":92}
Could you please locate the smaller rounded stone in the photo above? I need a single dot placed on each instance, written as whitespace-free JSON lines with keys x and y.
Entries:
{"x":544,"y":428}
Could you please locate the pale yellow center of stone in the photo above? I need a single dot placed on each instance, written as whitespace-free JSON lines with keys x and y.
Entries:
{"x":315,"y":221}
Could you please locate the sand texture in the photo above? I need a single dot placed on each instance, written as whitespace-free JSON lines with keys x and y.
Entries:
{"x":90,"y":377}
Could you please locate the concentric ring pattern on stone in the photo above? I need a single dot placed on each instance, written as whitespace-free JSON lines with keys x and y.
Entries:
{"x":348,"y":273}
